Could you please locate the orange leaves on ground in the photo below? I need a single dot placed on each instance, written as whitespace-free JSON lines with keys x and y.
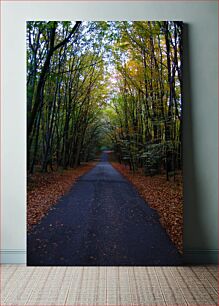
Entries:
{"x":164,"y":196}
{"x":44,"y":190}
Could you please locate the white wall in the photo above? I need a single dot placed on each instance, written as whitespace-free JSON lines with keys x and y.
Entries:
{"x":200,"y":111}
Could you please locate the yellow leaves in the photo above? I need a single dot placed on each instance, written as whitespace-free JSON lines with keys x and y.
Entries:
{"x":134,"y":68}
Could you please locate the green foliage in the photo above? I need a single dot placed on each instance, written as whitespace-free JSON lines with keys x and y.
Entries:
{"x":111,"y":84}
{"x":147,"y":128}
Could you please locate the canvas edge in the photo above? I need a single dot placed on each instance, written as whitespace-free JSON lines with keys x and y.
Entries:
{"x":190,"y":257}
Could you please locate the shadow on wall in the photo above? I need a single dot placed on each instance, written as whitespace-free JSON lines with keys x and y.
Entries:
{"x":194,"y":233}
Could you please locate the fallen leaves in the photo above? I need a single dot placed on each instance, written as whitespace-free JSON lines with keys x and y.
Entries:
{"x":164,"y":196}
{"x":45,"y":189}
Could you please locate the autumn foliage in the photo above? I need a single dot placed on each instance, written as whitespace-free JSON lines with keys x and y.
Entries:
{"x":44,"y":190}
{"x":106,"y":85}
{"x":164,"y":196}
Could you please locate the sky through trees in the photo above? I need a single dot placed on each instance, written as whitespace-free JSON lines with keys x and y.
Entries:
{"x":94,"y":85}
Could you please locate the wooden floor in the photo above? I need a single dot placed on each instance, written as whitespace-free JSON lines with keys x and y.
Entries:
{"x":122,"y":286}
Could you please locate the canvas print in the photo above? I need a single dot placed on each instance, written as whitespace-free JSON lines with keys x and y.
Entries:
{"x":104,"y":143}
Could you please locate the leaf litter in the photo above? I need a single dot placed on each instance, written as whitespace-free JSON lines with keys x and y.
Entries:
{"x":166,"y":197}
{"x":45,"y":189}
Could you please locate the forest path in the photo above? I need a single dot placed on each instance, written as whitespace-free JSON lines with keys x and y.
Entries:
{"x":101,"y":221}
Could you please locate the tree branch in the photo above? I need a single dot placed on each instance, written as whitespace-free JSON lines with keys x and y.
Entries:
{"x":75,"y":28}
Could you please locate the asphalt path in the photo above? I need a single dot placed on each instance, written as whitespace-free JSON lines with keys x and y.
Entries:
{"x":101,"y":221}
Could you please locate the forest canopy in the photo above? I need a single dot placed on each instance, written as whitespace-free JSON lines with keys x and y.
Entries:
{"x":94,"y":85}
